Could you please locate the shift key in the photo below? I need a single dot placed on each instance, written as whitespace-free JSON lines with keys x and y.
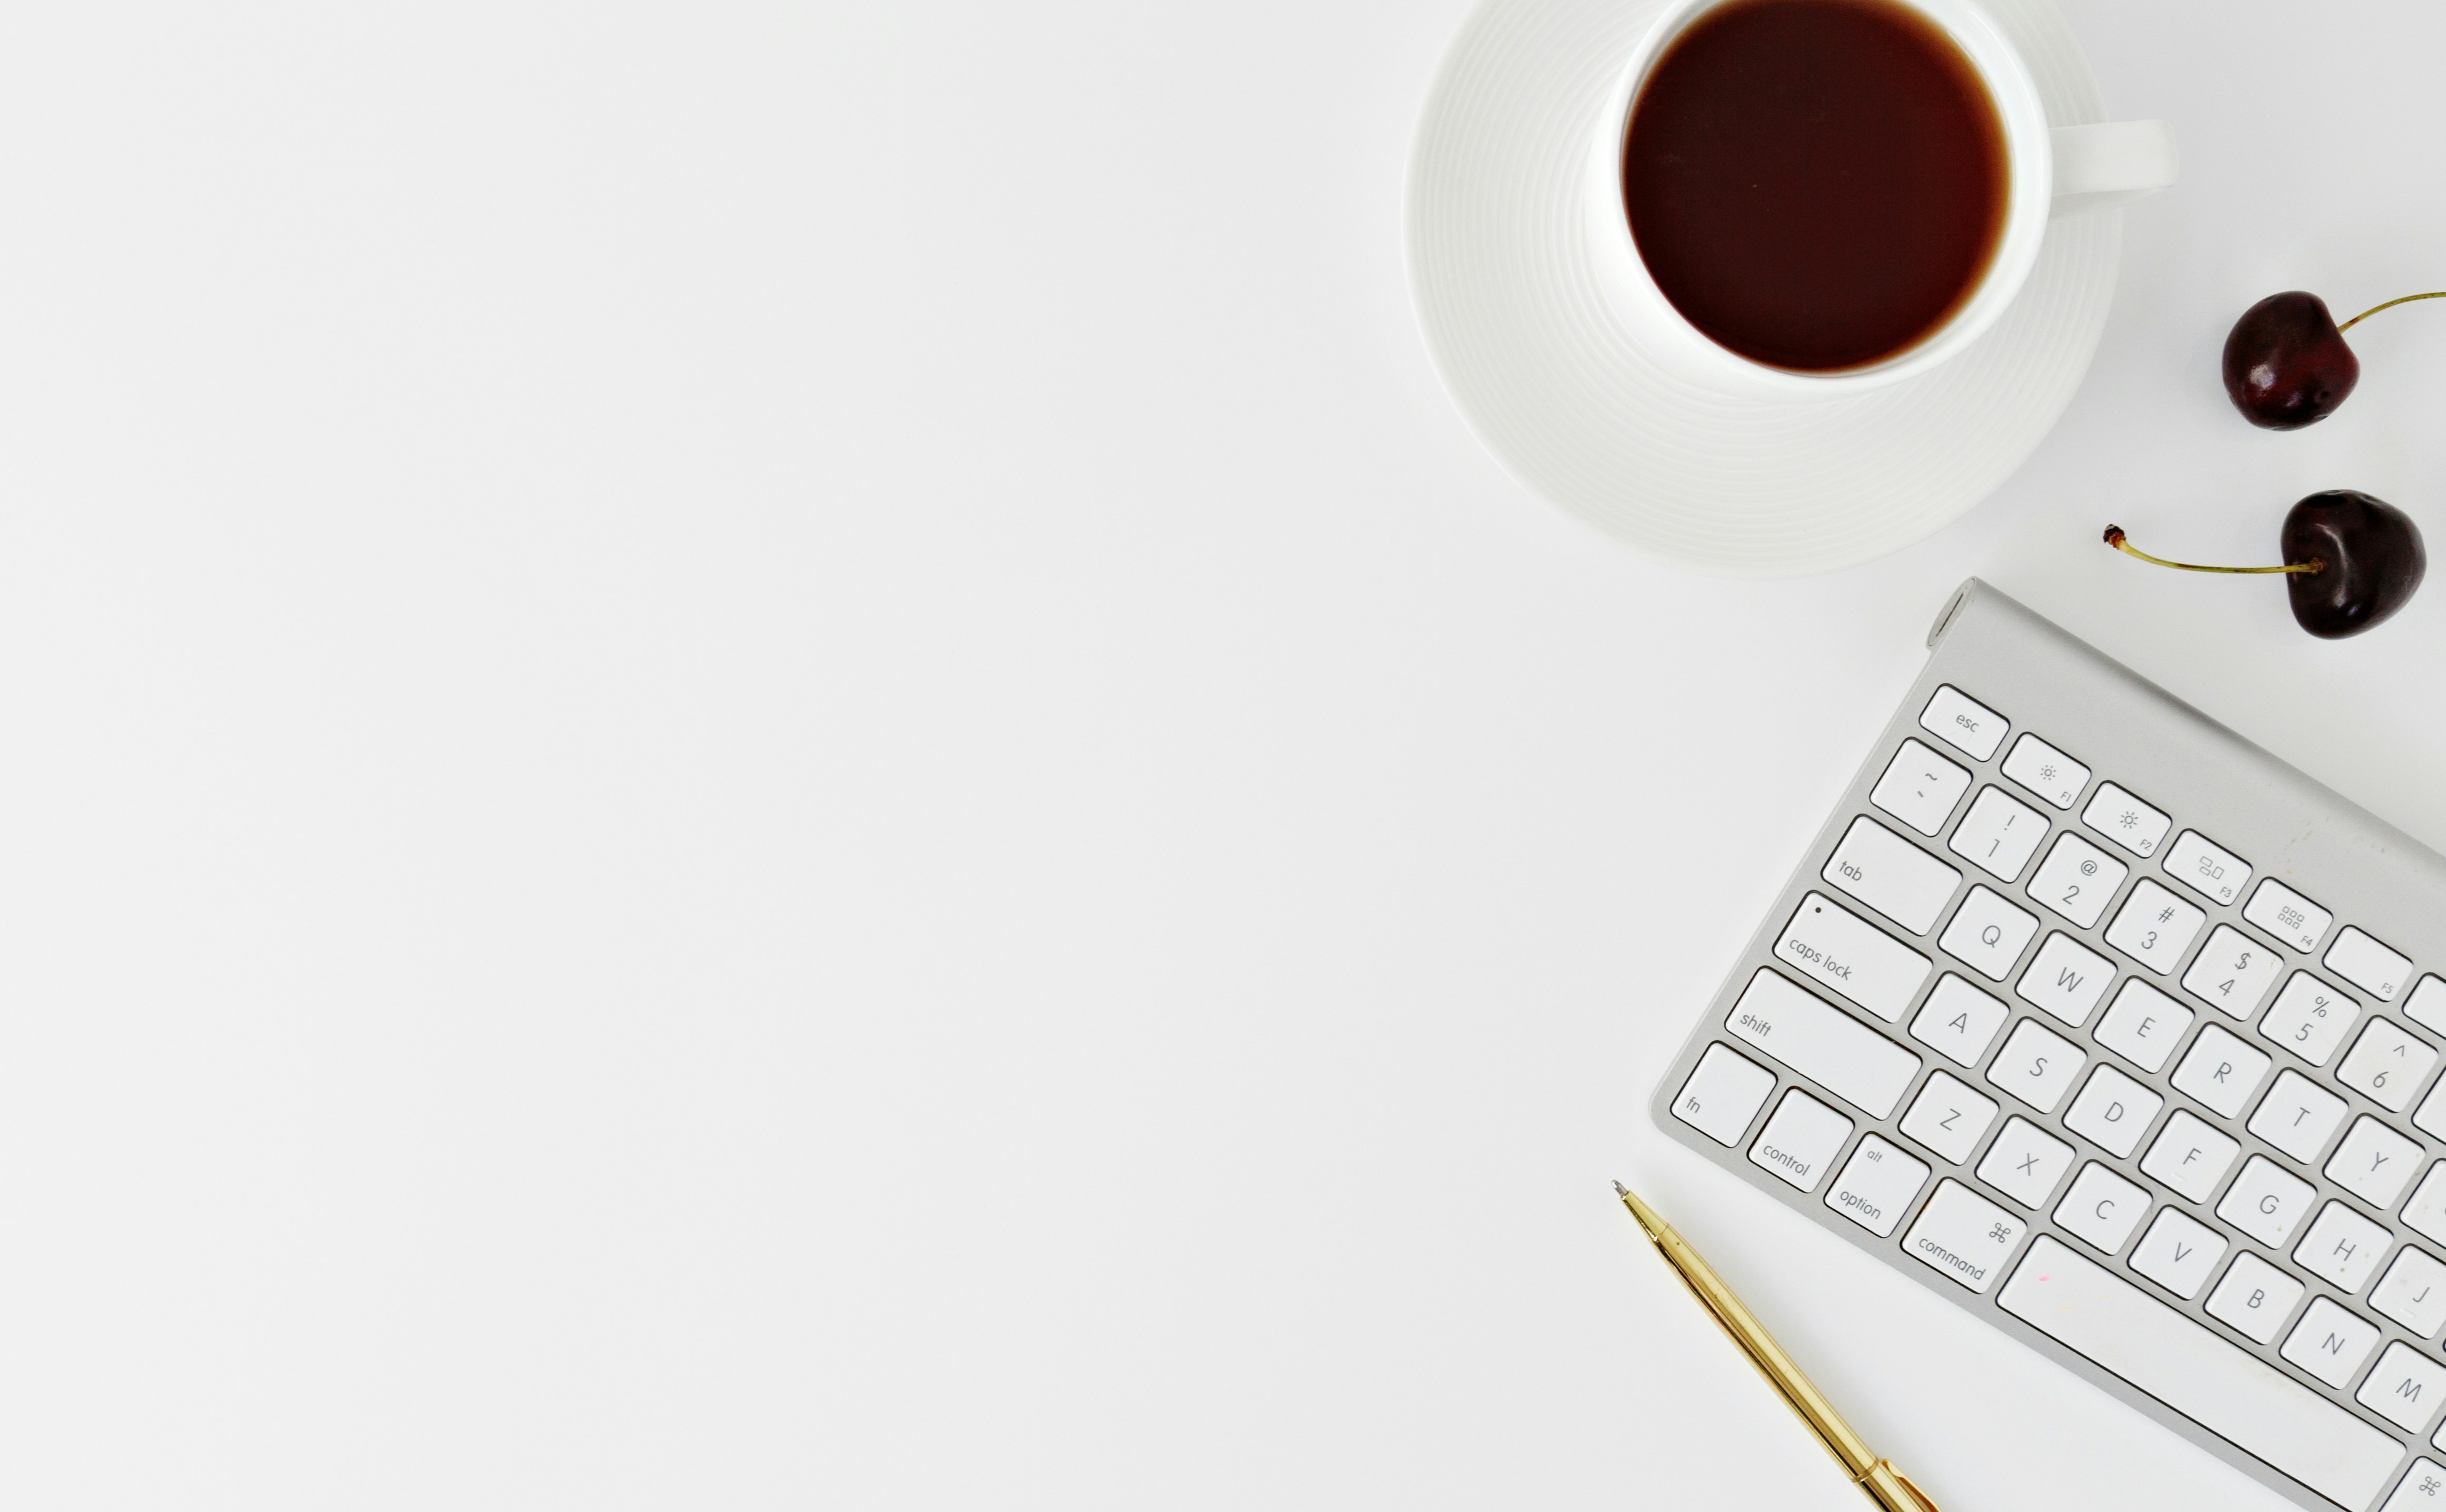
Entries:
{"x":1891,"y":875}
{"x":1823,"y":1043}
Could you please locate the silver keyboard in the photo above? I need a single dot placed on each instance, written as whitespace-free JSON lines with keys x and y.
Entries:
{"x":2108,"y":1026}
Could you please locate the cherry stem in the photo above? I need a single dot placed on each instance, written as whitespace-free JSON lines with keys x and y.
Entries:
{"x":2389,"y":304}
{"x":2115,"y":538}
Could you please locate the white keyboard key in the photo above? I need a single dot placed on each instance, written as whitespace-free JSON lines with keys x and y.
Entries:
{"x":1891,"y":875}
{"x":2244,"y":1400}
{"x":2406,"y":1388}
{"x":1920,"y":788}
{"x":2036,"y":1066}
{"x":2178,"y":1252}
{"x":1987,"y":934}
{"x":2288,"y":916}
{"x":1963,"y":723}
{"x":2191,"y":1156}
{"x":2426,"y":1212}
{"x":2413,"y":1292}
{"x":1999,"y":833}
{"x":2255,"y":1298}
{"x":2265,"y":1202}
{"x":2373,"y":1162}
{"x":1722,"y":1095}
{"x":2330,"y":1342}
{"x":2220,"y":1070}
{"x":1948,"y":1117}
{"x":2112,"y":1111}
{"x":1878,"y":1185}
{"x":2233,"y":972}
{"x":1799,"y":1139}
{"x":2144,"y":1026}
{"x":1964,"y":1236}
{"x":2066,"y":978}
{"x":2427,"y":1005}
{"x":2101,"y":1209}
{"x":2361,"y":959}
{"x":2296,"y":1116}
{"x":2431,"y":1115}
{"x":2309,"y":1019}
{"x":2026,"y":1162}
{"x":1958,"y":1020}
{"x":2343,"y":1248}
{"x":2045,"y":771}
{"x":1823,"y":1043}
{"x":2126,"y":820}
{"x":2386,"y":1065}
{"x":2076,"y":879}
{"x":2423,"y":1489}
{"x":1853,"y":959}
{"x":2207,"y":867}
{"x":2154,"y":927}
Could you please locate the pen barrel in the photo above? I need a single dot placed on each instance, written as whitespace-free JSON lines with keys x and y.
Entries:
{"x":1777,"y":1367}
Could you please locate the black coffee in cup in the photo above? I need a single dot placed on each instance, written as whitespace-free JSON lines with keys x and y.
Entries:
{"x":1816,"y":184}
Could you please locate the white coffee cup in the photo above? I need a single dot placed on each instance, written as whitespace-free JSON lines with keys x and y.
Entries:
{"x":2051,"y":172}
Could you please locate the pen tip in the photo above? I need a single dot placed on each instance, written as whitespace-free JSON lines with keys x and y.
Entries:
{"x":1620,"y":1190}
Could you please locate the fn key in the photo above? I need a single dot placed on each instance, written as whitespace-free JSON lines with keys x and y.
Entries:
{"x":1722,"y":1095}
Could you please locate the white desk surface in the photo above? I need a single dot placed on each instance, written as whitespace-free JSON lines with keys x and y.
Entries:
{"x":783,"y":756}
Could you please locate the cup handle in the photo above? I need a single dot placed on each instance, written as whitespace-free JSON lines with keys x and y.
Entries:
{"x":2109,"y":163}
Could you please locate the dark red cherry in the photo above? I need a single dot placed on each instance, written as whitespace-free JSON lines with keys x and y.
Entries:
{"x":2373,"y":555}
{"x":2286,"y":365}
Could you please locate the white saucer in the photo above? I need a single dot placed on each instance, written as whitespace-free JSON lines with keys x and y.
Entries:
{"x":1559,"y":391}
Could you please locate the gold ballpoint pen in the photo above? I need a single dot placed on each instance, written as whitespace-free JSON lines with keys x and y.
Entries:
{"x":1884,"y":1485}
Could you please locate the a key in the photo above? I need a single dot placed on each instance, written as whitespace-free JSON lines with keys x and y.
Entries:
{"x":2288,"y":916}
{"x":2386,"y":1065}
{"x":1889,"y":874}
{"x":2066,"y":978}
{"x":2426,"y":1212}
{"x":2233,"y":972}
{"x":1998,"y":834}
{"x":1920,"y":788}
{"x":2413,"y":1292}
{"x":2265,"y":1202}
{"x":2144,"y":1026}
{"x":2427,"y":1005}
{"x":1722,"y":1095}
{"x":2254,"y":1298}
{"x":2154,"y":927}
{"x":1799,"y":1139}
{"x":1964,"y":1236}
{"x":1963,"y":722}
{"x":2191,"y":1156}
{"x":2076,"y":879}
{"x":2127,"y":821}
{"x":2404,"y":1388}
{"x":1823,"y":1043}
{"x":2423,"y":1489}
{"x":2036,"y":1066}
{"x":2330,"y":1342}
{"x":1958,"y":1020}
{"x":2102,"y":1207}
{"x":1878,"y":1185}
{"x":2373,"y":1162}
{"x":2178,"y":1252}
{"x":2112,"y":1111}
{"x":1852,"y":959}
{"x":2361,"y":960}
{"x":2207,"y":867}
{"x":1987,"y":934}
{"x":2099,"y":1316}
{"x":2045,"y":771}
{"x":2343,"y":1248}
{"x":2026,"y":1162}
{"x":2309,"y":1019}
{"x":2296,"y":1116}
{"x":2219,"y":1072}
{"x":1948,"y":1117}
